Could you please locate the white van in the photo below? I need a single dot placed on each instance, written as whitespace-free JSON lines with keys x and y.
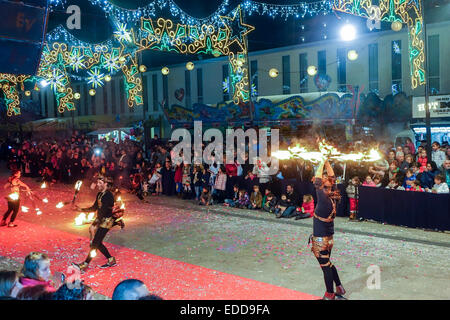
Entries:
{"x":440,"y":132}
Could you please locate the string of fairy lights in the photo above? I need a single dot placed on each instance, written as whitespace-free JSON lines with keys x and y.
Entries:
{"x":223,"y":33}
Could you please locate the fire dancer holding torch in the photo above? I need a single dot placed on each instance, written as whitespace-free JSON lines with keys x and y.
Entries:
{"x":103,"y":204}
{"x":13,"y":198}
{"x":323,"y":229}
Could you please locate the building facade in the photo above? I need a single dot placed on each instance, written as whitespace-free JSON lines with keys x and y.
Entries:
{"x":382,"y":66}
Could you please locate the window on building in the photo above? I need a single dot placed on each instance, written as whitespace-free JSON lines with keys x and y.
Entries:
{"x":187,"y":86}
{"x":226,"y":82}
{"x":86,"y":99}
{"x":322,"y":62}
{"x":254,"y":76}
{"x":78,"y":102}
{"x":303,"y":66}
{"x":396,"y":66}
{"x":93,"y":105}
{"x":433,"y":64}
{"x":286,"y":65}
{"x":200,"y":85}
{"x":122,"y":96}
{"x":46,"y":103}
{"x":373,"y":67}
{"x":105,"y":98}
{"x":342,"y":69}
{"x":155,"y":92}
{"x":145,"y":92}
{"x":165,"y":80}
{"x":113,"y":97}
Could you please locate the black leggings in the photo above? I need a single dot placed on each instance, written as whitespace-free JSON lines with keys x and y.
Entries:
{"x":330,"y":274}
{"x":97,"y":243}
{"x":13,"y":206}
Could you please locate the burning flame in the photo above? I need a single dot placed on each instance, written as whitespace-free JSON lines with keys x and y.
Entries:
{"x":14,"y":196}
{"x":60,"y":205}
{"x":93,"y":253}
{"x":38,"y":212}
{"x":80,"y":219}
{"x":24,"y":209}
{"x":43,"y":185}
{"x":122,"y":206}
{"x":45,"y":200}
{"x":91,"y":216}
{"x":119,"y":199}
{"x":326,"y":151}
{"x":78,"y":185}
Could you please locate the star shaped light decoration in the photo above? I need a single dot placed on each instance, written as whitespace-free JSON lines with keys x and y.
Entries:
{"x":96,"y":78}
{"x":77,"y":62}
{"x":237,"y":29}
{"x":112,"y":63}
{"x":56,"y":79}
{"x":122,"y":33}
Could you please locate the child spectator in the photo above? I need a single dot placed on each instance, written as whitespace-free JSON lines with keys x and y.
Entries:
{"x":219,"y":186}
{"x":255,"y":198}
{"x":410,"y":177}
{"x":415,"y":186}
{"x":270,"y":203}
{"x":422,"y":160}
{"x":205,"y":197}
{"x":250,"y":180}
{"x":197,"y":180}
{"x":36,"y":271}
{"x":377,"y":181}
{"x":288,"y":203}
{"x":179,"y":179}
{"x":393,"y":184}
{"x":307,"y":208}
{"x":369,"y":182}
{"x":427,"y":176}
{"x":233,"y":202}
{"x":244,"y":200}
{"x":353,"y":195}
{"x":439,"y":185}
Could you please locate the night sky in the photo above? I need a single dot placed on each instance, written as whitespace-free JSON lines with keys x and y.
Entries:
{"x":269,"y":33}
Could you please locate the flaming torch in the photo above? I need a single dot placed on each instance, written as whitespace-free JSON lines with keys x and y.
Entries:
{"x":43,"y":185}
{"x":14,"y":196}
{"x":24,"y":209}
{"x":77,"y":189}
{"x":80,"y":219}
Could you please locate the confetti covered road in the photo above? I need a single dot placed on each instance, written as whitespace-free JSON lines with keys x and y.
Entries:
{"x":183,"y":251}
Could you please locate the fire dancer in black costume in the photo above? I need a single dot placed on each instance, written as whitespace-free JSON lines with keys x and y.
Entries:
{"x":323,"y":229}
{"x":105,"y":220}
{"x":13,"y":199}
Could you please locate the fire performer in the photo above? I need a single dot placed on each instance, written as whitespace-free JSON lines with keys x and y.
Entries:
{"x":13,"y":198}
{"x":103,"y":204}
{"x":323,"y":229}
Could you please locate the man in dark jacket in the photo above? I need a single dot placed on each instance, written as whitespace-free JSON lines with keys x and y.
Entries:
{"x":288,"y":203}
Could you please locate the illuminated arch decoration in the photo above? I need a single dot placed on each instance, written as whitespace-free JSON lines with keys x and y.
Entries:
{"x":64,"y":58}
{"x":406,"y":11}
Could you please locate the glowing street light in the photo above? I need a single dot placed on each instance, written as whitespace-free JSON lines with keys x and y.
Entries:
{"x":348,"y":32}
{"x":352,"y":55}
{"x":312,"y":70}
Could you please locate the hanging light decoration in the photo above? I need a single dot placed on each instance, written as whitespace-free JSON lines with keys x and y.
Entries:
{"x":312,"y":70}
{"x":92,"y":92}
{"x":190,"y":66}
{"x":396,"y":26}
{"x":352,"y":55}
{"x":273,"y":73}
{"x":142,"y":68}
{"x":77,"y":95}
{"x":165,"y":71}
{"x":28,"y":93}
{"x":107,"y":78}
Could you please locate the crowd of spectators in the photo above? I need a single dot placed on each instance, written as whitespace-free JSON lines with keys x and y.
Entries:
{"x":35,"y":281}
{"x":158,"y":170}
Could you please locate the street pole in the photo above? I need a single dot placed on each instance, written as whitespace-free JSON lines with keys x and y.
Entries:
{"x":427,"y":88}
{"x":249,"y":75}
